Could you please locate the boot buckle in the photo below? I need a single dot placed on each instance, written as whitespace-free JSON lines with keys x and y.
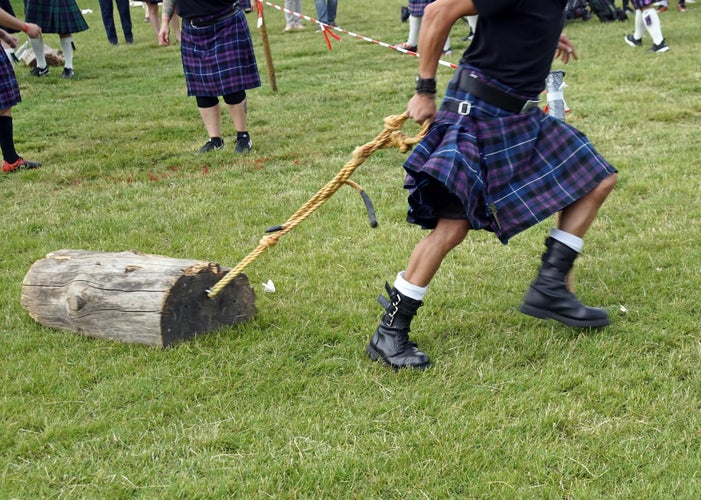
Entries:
{"x":393,"y":301}
{"x":393,"y":313}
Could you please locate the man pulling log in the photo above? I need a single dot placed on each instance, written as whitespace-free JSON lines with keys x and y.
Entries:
{"x":493,"y":160}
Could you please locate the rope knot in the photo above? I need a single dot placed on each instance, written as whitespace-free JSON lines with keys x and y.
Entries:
{"x":268,"y":240}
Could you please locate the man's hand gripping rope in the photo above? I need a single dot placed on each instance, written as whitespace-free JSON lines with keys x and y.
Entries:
{"x":390,"y":136}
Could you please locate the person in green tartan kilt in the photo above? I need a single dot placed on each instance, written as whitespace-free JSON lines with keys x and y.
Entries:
{"x":55,"y":16}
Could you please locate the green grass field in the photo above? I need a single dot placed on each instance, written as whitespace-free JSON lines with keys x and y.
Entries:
{"x":287,"y":404}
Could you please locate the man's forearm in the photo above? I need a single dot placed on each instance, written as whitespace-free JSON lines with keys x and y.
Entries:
{"x":168,"y":9}
{"x":6,"y":19}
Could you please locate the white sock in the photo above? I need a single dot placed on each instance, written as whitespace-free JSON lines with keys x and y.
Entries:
{"x":409,"y":290}
{"x":38,"y":48}
{"x":574,"y":242}
{"x":653,"y":25}
{"x":67,"y":47}
{"x":414,"y":28}
{"x":639,"y":25}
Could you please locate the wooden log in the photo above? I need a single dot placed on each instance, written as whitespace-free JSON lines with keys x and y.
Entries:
{"x":133,"y":297}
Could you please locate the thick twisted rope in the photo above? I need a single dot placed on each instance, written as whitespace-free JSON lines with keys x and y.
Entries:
{"x":390,"y":136}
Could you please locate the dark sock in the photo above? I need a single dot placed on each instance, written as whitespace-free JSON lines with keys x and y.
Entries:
{"x":7,"y":140}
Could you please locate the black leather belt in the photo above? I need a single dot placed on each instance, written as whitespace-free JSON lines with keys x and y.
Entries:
{"x":489,"y":94}
{"x":203,"y":22}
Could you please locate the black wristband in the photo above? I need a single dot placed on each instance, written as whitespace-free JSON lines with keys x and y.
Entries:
{"x":425,"y":85}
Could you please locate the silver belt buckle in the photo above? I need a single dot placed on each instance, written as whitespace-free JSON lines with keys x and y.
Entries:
{"x":528,"y":105}
{"x":464,"y":108}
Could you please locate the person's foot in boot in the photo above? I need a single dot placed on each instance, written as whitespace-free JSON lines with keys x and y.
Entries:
{"x":391,"y":343}
{"x":548,"y":296}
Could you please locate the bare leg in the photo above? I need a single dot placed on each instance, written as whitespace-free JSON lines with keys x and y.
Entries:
{"x":212,"y":120}
{"x":578,"y":217}
{"x":428,"y":255}
{"x":153,"y":16}
{"x":237,"y":112}
{"x":548,"y":296}
{"x":390,"y":342}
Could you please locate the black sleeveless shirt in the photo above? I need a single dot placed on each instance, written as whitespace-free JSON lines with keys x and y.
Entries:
{"x":515,"y":41}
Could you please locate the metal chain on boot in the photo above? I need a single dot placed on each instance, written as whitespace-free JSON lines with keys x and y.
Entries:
{"x":393,"y":301}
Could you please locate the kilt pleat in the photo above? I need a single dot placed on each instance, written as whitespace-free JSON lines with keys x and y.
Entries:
{"x":219,"y":59}
{"x":510,"y":171}
{"x":9,"y":90}
{"x":55,"y":16}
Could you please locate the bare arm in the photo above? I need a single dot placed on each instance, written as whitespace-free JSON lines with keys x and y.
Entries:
{"x":168,"y":11}
{"x":10,"y":40}
{"x":438,"y":19}
{"x":31,"y":29}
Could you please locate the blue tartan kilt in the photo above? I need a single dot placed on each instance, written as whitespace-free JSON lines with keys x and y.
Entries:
{"x":219,"y":59}
{"x":509,"y":171}
{"x":9,"y":90}
{"x":55,"y":16}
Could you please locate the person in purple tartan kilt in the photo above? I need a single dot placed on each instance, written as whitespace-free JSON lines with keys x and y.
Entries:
{"x":9,"y":92}
{"x":55,"y":16}
{"x":493,"y":160}
{"x":218,"y":60}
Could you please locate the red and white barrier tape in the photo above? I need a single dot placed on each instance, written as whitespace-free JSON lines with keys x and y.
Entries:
{"x":328,"y":30}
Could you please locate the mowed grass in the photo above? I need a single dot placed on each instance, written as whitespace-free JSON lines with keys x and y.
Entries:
{"x":287,"y":404}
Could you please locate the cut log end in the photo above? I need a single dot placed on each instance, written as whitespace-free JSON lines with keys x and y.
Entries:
{"x":189,"y":311}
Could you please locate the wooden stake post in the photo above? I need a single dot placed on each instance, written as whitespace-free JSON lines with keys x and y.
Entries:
{"x":133,"y":297}
{"x":266,"y":48}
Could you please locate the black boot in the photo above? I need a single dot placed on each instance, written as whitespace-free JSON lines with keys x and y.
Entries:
{"x":548,"y":296}
{"x":390,"y":343}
